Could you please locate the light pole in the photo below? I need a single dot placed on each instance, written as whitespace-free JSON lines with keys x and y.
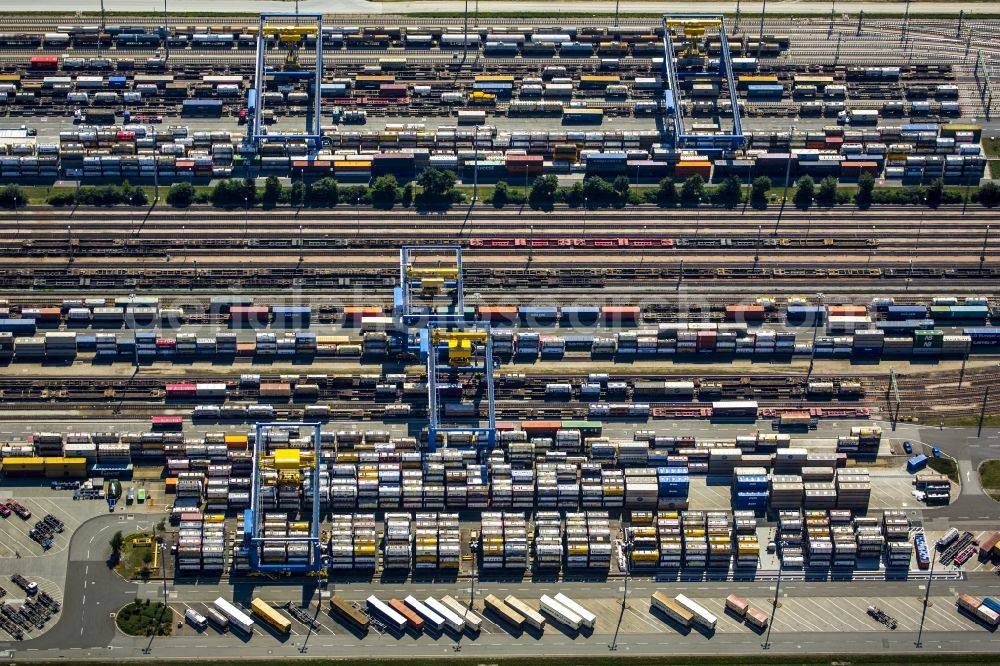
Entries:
{"x":756,"y":254}
{"x":586,"y":204}
{"x":986,"y":238}
{"x":760,"y":37}
{"x":766,"y":645}
{"x":927,"y":596}
{"x":626,"y":548}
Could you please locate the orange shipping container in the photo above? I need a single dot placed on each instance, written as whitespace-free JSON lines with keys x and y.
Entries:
{"x":355,"y":313}
{"x":246,"y":348}
{"x":848,"y":310}
{"x":744,"y":312}
{"x":498,"y":312}
{"x":620,"y":312}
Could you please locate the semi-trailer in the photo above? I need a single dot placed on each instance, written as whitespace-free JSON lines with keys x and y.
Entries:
{"x":413,"y":619}
{"x":509,"y":615}
{"x":270,"y":615}
{"x":237,"y":618}
{"x":431,"y":618}
{"x":588,"y":619}
{"x":531,"y":617}
{"x":701,"y":615}
{"x":757,"y":618}
{"x":346,"y":610}
{"x":386,"y":613}
{"x":979,"y":610}
{"x":560,"y":613}
{"x":472,"y":621}
{"x":738,"y":605}
{"x":220,"y":621}
{"x":452,"y":620}
{"x":196,"y":619}
{"x":671,"y":609}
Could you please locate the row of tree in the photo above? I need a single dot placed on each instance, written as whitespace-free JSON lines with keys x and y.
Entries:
{"x":435,"y":188}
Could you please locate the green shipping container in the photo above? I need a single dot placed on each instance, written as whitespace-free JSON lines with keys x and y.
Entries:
{"x":928,"y":338}
{"x":585,"y":427}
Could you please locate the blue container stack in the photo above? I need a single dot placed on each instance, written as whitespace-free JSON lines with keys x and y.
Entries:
{"x":750,"y":491}
{"x":673,"y":483}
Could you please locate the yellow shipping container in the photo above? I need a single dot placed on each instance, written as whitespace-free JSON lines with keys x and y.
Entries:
{"x":236,"y":441}
{"x":24,"y":463}
{"x":215,"y":518}
{"x":332,"y":339}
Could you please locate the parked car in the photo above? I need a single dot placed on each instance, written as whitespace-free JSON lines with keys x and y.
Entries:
{"x":907,"y":447}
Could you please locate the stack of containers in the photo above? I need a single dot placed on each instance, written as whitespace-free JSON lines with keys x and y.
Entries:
{"x":895,"y":525}
{"x":548,"y":540}
{"x":425,"y":544}
{"x":599,"y":534}
{"x":613,"y":488}
{"x":502,"y":484}
{"x":190,"y":532}
{"x":750,"y":488}
{"x":412,"y":488}
{"x":641,"y":487}
{"x":724,"y":461}
{"x":819,"y":543}
{"x":364,"y":539}
{"x":790,"y":529}
{"x":668,"y":531}
{"x":718,"y":527}
{"x":341,"y":547}
{"x":868,"y":535}
{"x":936,"y":486}
{"x":545,"y":490}
{"x":60,"y":344}
{"x":786,"y":491}
{"x":854,"y":488}
{"x":673,"y":486}
{"x":591,"y":496}
{"x":389,"y":485}
{"x":577,"y":541}
{"x":398,"y":541}
{"x":869,"y":438}
{"x":819,"y":495}
{"x":343,"y":486}
{"x":478,"y":488}
{"x":275,"y":525}
{"x":568,"y":485}
{"x":645,"y":545}
{"x":745,"y":538}
{"x":491,"y":540}
{"x":515,"y":541}
{"x":845,"y":546}
{"x":695,"y":543}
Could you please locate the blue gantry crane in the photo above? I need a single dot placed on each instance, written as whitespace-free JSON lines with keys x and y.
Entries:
{"x":694,"y":28}
{"x":275,"y":467}
{"x":429,"y":303}
{"x":291,"y":38}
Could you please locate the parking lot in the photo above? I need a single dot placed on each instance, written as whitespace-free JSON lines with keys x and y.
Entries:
{"x":793,"y":615}
{"x":974,"y":563}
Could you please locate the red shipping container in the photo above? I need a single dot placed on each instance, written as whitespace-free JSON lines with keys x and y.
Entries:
{"x":392,"y":90}
{"x":249,"y":312}
{"x":848,"y":310}
{"x":498,"y":312}
{"x":858,"y":168}
{"x":180,"y":390}
{"x":620,"y":312}
{"x":535,"y":427}
{"x":45,"y":62}
{"x":355,"y":313}
{"x":744,"y":313}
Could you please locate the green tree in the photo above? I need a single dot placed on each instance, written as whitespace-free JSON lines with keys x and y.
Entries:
{"x":229,"y":194}
{"x":693,"y":190}
{"x":501,"y":194}
{"x":935,"y":192}
{"x":598,"y":192}
{"x":805,"y":192}
{"x":116,"y":542}
{"x":12,"y":196}
{"x":437,"y":187}
{"x":385,"y":192}
{"x":729,"y":193}
{"x":758,"y":192}
{"x":572,"y":195}
{"x":147,"y":557}
{"x":543,"y":193}
{"x":989,"y":194}
{"x":323,"y":193}
{"x":297,"y":196}
{"x":180,"y":195}
{"x":866,"y":185}
{"x":827,"y":193}
{"x":621,"y":188}
{"x":250,"y":190}
{"x":407,"y":197}
{"x":272,"y":191}
{"x":666,"y":193}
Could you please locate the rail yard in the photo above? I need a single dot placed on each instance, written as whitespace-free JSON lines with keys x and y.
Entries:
{"x":291,"y":415}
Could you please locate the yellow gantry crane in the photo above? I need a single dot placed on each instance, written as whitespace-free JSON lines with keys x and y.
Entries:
{"x":288,"y":463}
{"x":432,"y":278}
{"x":292,"y":39}
{"x":461,"y":344}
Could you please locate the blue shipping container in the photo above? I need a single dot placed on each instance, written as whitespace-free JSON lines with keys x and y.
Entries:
{"x":916,"y":463}
{"x":17,"y":326}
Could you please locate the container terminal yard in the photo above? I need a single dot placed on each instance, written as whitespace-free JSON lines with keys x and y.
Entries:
{"x":487,"y":431}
